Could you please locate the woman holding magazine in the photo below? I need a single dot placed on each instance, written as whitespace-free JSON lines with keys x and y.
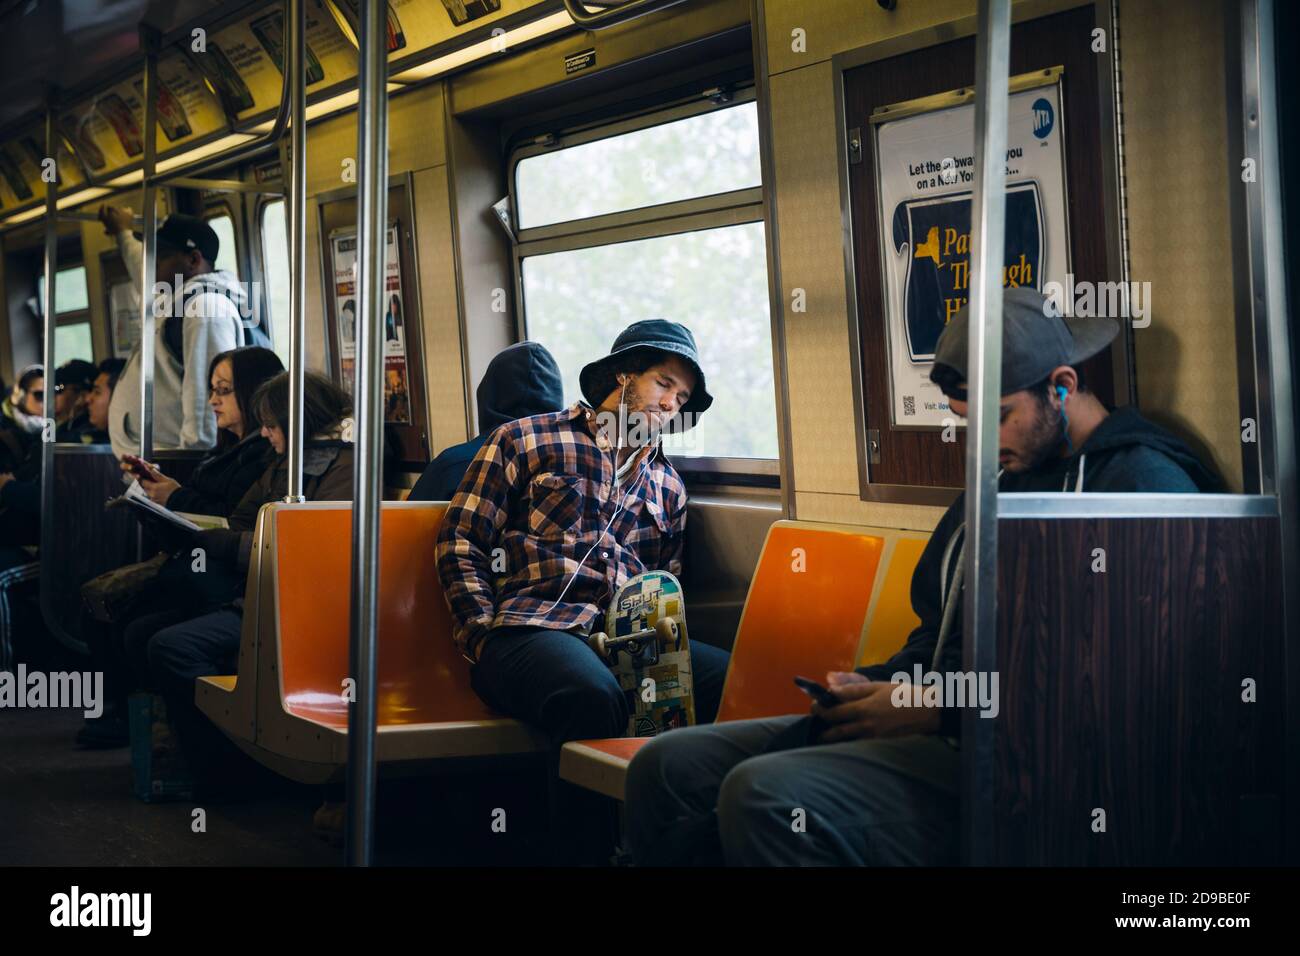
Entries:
{"x":209,"y":644}
{"x":180,"y":591}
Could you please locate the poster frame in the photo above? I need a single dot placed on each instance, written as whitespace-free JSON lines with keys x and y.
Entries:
{"x":951,"y":99}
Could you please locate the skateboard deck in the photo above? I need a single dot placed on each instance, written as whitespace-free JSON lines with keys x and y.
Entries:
{"x":646,"y":645}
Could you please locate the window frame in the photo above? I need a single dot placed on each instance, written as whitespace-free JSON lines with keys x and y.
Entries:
{"x":74,"y":315}
{"x":257,"y":251}
{"x":222,"y":207}
{"x":718,"y":210}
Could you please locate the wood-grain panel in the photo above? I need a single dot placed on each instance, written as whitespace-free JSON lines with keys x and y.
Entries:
{"x":87,"y":539}
{"x":1122,"y":691}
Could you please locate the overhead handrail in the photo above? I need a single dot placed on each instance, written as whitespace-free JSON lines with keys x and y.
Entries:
{"x":368,"y":412}
{"x":615,"y":12}
{"x":236,"y":154}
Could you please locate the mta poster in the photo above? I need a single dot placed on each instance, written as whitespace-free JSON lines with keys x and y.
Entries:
{"x":925,"y":177}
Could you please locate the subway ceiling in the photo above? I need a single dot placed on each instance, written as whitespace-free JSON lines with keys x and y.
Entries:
{"x":53,"y":45}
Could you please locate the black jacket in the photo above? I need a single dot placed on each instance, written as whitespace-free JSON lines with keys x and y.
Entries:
{"x":520,"y":381}
{"x":1126,"y":453}
{"x":222,"y":479}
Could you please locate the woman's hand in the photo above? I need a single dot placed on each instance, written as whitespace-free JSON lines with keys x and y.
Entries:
{"x":161,"y":490}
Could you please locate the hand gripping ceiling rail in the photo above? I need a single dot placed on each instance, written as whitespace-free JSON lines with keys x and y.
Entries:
{"x":292,"y":101}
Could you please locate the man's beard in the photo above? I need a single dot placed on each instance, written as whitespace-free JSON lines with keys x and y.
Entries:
{"x":1044,"y":440}
{"x":644,"y":427}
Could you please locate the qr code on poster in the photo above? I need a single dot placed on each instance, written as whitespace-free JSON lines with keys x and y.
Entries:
{"x":909,"y":404}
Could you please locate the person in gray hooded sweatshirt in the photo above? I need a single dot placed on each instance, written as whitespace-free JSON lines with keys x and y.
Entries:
{"x":879,"y":782}
{"x":520,"y":381}
{"x":206,"y":319}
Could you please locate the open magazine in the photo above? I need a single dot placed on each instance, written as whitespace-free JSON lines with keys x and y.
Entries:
{"x":135,"y":497}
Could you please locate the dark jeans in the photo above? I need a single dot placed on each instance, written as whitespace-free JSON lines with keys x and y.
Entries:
{"x":120,"y":649}
{"x":734,"y":793}
{"x":180,"y":654}
{"x":554,"y":680}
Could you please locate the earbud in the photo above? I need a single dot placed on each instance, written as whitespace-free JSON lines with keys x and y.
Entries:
{"x":1064,"y":393}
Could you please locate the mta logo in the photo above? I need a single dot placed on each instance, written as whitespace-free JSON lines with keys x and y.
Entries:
{"x":1044,"y":119}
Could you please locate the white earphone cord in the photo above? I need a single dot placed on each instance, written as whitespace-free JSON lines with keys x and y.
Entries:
{"x":622,"y":498}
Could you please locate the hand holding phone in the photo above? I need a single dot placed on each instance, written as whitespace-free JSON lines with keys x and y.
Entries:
{"x":139,"y":467}
{"x":823,"y":695}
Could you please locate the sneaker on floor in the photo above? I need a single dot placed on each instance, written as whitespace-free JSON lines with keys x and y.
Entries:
{"x":328,"y":822}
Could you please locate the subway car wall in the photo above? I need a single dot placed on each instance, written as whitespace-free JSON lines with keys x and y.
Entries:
{"x":1072,"y":644}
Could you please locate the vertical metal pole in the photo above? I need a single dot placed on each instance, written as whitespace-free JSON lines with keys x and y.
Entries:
{"x":1276,"y":399}
{"x":48,"y":305}
{"x":984,"y":385}
{"x":372,"y":147}
{"x":150,"y":243}
{"x":297,"y":209}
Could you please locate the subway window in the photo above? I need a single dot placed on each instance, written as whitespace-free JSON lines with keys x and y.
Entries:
{"x":227,"y":253}
{"x":705,"y":265}
{"x":72,"y":340}
{"x":69,"y":290}
{"x":275,"y":274}
{"x":701,"y":155}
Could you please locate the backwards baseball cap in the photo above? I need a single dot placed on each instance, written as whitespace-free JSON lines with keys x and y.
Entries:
{"x":78,"y":373}
{"x":183,"y":233}
{"x":1035,"y":340}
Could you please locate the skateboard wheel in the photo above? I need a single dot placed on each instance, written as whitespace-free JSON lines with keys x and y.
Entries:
{"x":599,"y":643}
{"x":666,"y":628}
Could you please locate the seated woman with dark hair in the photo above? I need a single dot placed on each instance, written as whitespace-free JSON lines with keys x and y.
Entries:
{"x":179,"y":592}
{"x":242,"y":452}
{"x":209,"y":644}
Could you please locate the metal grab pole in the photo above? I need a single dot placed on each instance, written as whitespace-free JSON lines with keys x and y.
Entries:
{"x":984,"y":386}
{"x":150,"y":243}
{"x":51,"y":322}
{"x":372,"y":146}
{"x":1273,"y":342}
{"x":297,"y":208}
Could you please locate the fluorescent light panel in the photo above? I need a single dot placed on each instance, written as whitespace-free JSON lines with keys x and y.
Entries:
{"x":477,"y":51}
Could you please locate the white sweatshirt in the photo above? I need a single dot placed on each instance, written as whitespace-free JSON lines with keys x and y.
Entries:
{"x":182,"y":417}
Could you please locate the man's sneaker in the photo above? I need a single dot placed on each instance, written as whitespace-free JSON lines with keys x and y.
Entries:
{"x":328,"y":821}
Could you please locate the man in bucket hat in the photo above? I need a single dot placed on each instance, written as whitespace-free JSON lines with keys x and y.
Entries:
{"x":876,"y":774}
{"x":558,"y":510}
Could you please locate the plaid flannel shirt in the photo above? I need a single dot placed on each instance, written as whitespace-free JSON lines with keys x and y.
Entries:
{"x":535,"y":499}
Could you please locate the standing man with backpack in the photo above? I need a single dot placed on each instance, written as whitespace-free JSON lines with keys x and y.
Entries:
{"x":207,"y":319}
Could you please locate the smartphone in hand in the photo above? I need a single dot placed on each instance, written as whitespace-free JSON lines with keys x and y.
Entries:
{"x":139,"y":467}
{"x":823,"y":695}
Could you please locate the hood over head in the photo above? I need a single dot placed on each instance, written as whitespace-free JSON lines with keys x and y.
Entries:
{"x":520,"y":381}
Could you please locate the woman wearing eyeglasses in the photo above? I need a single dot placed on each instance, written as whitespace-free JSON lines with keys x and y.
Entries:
{"x":241,"y":455}
{"x":179,"y":592}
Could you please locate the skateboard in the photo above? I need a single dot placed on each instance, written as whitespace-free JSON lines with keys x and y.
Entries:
{"x":646,"y":646}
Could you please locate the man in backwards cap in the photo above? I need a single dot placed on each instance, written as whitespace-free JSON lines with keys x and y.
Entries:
{"x":877,"y":781}
{"x":192,"y":324}
{"x":555,"y":512}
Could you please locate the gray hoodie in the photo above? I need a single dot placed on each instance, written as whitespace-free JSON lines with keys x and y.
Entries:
{"x":182,"y":417}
